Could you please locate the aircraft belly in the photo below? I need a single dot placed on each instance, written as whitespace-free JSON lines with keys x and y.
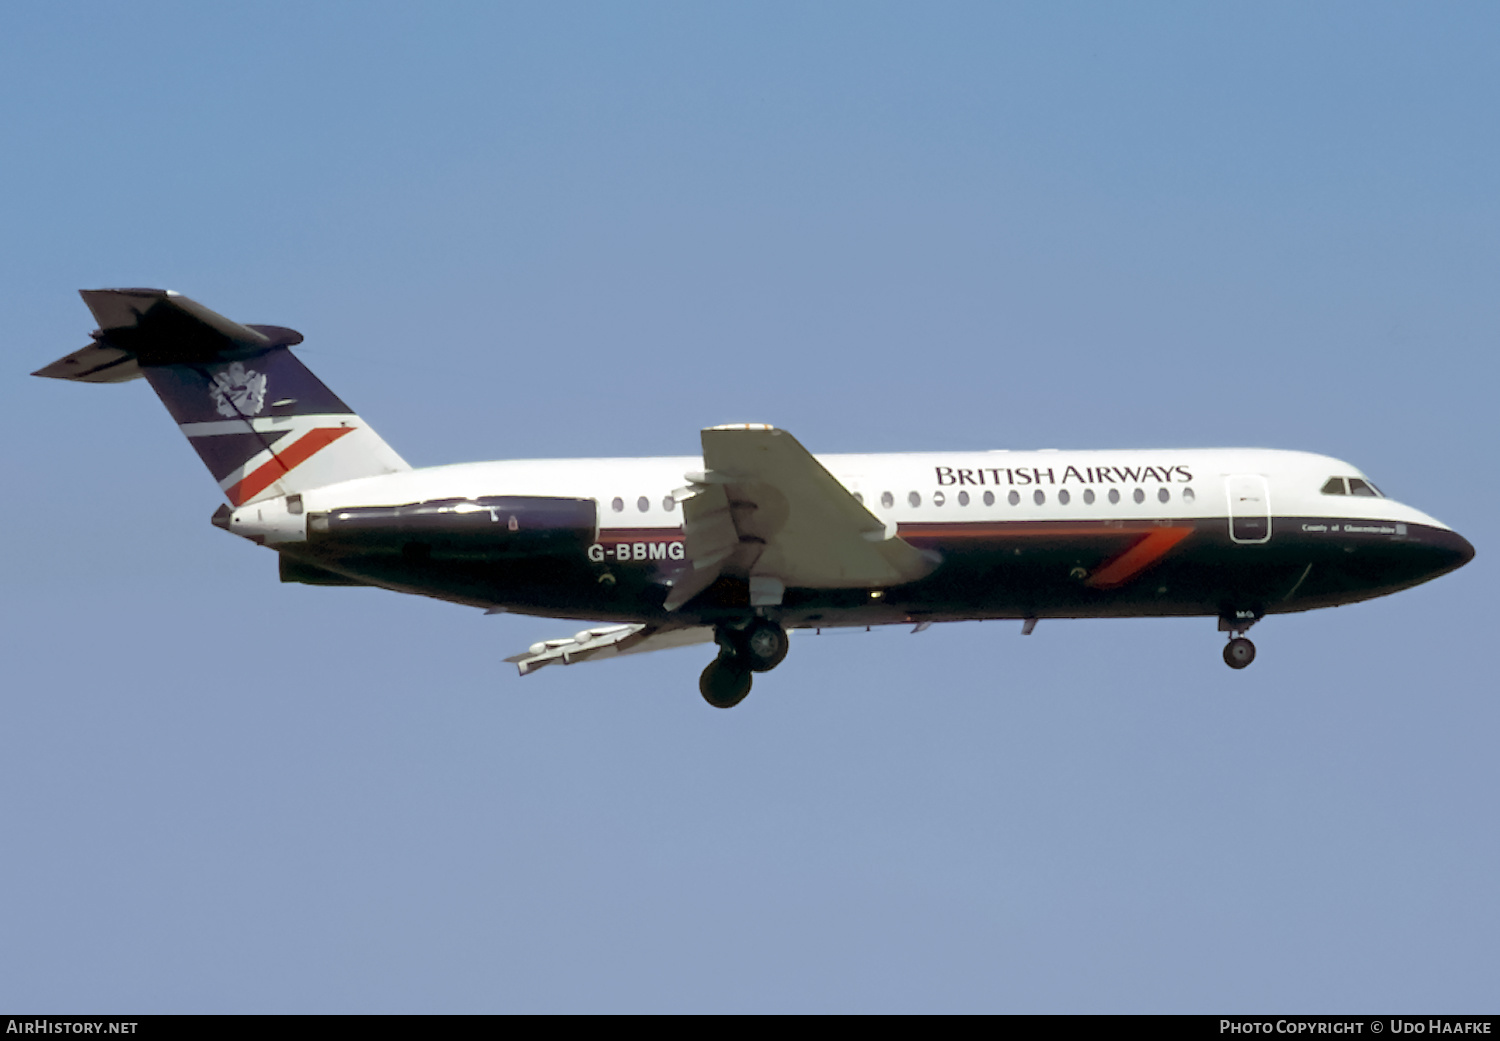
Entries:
{"x":1074,"y":571}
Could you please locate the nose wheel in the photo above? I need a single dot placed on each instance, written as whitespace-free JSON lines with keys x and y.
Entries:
{"x":1239,"y":652}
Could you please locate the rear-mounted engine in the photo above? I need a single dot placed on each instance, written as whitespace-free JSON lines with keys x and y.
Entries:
{"x":486,"y":527}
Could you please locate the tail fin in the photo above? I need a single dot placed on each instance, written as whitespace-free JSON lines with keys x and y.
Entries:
{"x":261,"y":422}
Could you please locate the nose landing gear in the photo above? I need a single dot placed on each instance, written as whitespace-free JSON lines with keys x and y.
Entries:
{"x":1238,"y":652}
{"x":759,"y":647}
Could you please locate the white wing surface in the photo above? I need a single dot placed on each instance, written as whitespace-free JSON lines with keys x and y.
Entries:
{"x":607,"y":642}
{"x":765,"y":509}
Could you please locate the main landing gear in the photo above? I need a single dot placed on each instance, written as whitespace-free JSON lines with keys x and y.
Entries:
{"x":759,"y":647}
{"x":725,"y":682}
{"x":1238,"y":652}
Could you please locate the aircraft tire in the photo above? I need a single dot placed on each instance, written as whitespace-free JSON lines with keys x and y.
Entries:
{"x":763,"y":646}
{"x":724,"y":683}
{"x":1239,"y":652}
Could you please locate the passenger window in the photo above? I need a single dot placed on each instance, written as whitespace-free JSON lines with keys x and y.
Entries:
{"x":667,"y":503}
{"x":1139,"y":496}
{"x":1088,"y":496}
{"x":887,"y":500}
{"x":1162,"y":495}
{"x":859,"y":498}
{"x":1038,"y":496}
{"x":1335,"y":486}
{"x":1063,"y":497}
{"x":1188,"y":495}
{"x":618,"y":504}
{"x":914,"y":499}
{"x":643,"y":504}
{"x":1014,"y":498}
{"x":989,"y":498}
{"x":937,"y":499}
{"x":1358,"y":487}
{"x":963,"y":498}
{"x":1114,"y":495}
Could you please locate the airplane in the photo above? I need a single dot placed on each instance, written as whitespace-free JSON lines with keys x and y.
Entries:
{"x":755,"y":537}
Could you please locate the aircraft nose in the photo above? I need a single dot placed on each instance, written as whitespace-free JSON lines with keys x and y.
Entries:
{"x":1454,"y":550}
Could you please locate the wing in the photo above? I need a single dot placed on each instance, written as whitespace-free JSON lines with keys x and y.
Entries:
{"x":766,"y":510}
{"x":606,"y":642}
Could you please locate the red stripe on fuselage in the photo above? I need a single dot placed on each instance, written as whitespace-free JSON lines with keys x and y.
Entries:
{"x":1154,"y":540}
{"x":294,"y":455}
{"x":988,"y":530}
{"x":1137,"y":558}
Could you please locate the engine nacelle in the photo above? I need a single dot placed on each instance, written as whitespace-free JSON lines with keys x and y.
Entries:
{"x":485,"y":527}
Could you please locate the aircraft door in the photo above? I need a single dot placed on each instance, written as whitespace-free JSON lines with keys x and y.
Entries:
{"x":1249,"y":508}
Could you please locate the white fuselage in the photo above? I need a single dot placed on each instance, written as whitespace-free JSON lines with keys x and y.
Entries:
{"x":904,"y":488}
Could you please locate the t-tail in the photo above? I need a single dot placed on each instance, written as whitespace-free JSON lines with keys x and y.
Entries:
{"x":261,"y":422}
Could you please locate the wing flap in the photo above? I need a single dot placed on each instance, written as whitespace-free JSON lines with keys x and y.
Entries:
{"x":799,"y":525}
{"x":606,"y":642}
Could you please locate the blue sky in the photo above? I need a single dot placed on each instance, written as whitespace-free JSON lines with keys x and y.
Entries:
{"x":513,"y":231}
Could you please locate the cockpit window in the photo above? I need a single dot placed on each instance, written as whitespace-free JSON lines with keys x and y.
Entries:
{"x":1351,"y":486}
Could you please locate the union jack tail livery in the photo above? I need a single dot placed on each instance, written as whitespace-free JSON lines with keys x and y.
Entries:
{"x":261,"y":422}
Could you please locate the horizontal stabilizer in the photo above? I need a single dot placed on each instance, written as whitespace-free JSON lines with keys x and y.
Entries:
{"x":159,"y":327}
{"x":262,"y":423}
{"x":96,"y":363}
